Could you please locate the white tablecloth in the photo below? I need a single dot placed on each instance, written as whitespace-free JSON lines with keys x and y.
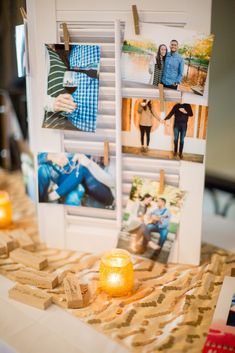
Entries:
{"x":29,"y":330}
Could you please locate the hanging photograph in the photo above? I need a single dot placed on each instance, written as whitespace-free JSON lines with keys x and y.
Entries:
{"x":176,"y":57}
{"x":177,"y":133}
{"x":151,"y":219}
{"x":76,"y":179}
{"x":72,"y":87}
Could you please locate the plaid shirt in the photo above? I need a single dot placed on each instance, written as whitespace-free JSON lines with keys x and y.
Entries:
{"x":86,"y":96}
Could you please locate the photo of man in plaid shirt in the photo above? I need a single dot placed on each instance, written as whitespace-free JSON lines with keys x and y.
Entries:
{"x":71,"y":102}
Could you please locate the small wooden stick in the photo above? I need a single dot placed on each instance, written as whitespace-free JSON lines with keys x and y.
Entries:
{"x":66,"y":36}
{"x":29,"y":259}
{"x":106,"y":153}
{"x":29,"y":296}
{"x":22,"y":239}
{"x":161,"y":97}
{"x":162,"y":182}
{"x":6,"y":241}
{"x":3,"y":249}
{"x":36,"y":278}
{"x":73,"y":292}
{"x":136,"y":19}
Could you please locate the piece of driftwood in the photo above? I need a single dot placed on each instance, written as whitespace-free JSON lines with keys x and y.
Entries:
{"x":73,"y":292}
{"x":29,"y":296}
{"x":6,"y":241}
{"x":22,"y":239}
{"x":36,"y":278}
{"x":3,"y":249}
{"x":29,"y":259}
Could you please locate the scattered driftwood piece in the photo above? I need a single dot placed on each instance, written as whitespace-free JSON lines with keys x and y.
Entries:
{"x":36,"y":278}
{"x":29,"y":296}
{"x":3,"y":249}
{"x":29,"y":259}
{"x":85,"y":294}
{"x":73,"y":292}
{"x":6,"y":241}
{"x":22,"y":239}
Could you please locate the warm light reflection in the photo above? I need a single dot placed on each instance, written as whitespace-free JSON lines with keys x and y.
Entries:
{"x":5,"y":210}
{"x":116,"y":273}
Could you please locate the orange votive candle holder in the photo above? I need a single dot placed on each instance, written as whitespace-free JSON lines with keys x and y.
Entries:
{"x":116,"y":273}
{"x":5,"y":210}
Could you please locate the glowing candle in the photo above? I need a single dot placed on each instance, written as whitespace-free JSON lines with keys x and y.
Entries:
{"x":5,"y":209}
{"x":116,"y":273}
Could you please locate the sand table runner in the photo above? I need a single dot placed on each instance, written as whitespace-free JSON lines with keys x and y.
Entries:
{"x":170,"y":310}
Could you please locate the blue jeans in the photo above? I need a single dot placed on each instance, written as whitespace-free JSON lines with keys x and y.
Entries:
{"x":179,"y":131}
{"x":155,"y":228}
{"x":46,"y":174}
{"x":92,"y":186}
{"x":68,"y":183}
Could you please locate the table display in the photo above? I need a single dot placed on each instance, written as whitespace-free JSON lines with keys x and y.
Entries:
{"x":171,"y":307}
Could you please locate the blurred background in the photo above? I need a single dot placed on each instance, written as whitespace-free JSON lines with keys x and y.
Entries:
{"x":219,"y":197}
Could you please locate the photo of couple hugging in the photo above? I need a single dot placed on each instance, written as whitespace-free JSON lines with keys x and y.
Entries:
{"x":150,"y":220}
{"x":168,"y":66}
{"x":176,"y":57}
{"x":76,"y":179}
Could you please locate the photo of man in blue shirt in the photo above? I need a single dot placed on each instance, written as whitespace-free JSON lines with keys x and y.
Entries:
{"x":159,"y":221}
{"x":173,"y":67}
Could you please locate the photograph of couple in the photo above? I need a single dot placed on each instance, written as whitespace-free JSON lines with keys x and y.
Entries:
{"x":175,"y":57}
{"x":177,"y":133}
{"x":76,"y":179}
{"x":151,"y":220}
{"x":72,"y":87}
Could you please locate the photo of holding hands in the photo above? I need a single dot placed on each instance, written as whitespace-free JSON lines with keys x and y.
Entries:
{"x":76,"y":179}
{"x":177,"y":133}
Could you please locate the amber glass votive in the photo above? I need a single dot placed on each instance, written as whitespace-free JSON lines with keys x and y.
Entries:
{"x":5,"y":210}
{"x":116,"y":273}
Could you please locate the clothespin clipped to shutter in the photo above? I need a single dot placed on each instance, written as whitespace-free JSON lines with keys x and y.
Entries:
{"x":161,"y":182}
{"x":136,"y":19}
{"x":23,"y":13}
{"x":161,"y":97}
{"x":66,"y":36}
{"x":106,"y":153}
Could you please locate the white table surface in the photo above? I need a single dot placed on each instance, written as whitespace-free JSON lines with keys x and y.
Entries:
{"x":30,"y":330}
{"x":25,"y":329}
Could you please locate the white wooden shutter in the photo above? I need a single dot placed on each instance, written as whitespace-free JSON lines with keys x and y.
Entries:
{"x":95,"y":22}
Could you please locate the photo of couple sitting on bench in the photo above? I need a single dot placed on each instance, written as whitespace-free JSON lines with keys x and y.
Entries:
{"x":151,"y":219}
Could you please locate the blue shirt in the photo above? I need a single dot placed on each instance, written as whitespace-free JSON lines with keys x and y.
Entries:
{"x":165,"y":216}
{"x":86,"y":95}
{"x":173,"y":69}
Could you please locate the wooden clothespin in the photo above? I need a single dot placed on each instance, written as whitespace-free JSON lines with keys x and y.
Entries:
{"x":106,"y":153}
{"x":161,"y":97}
{"x":161,"y":182}
{"x":66,"y":36}
{"x":136,"y":19}
{"x":233,"y":272}
{"x":23,"y":13}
